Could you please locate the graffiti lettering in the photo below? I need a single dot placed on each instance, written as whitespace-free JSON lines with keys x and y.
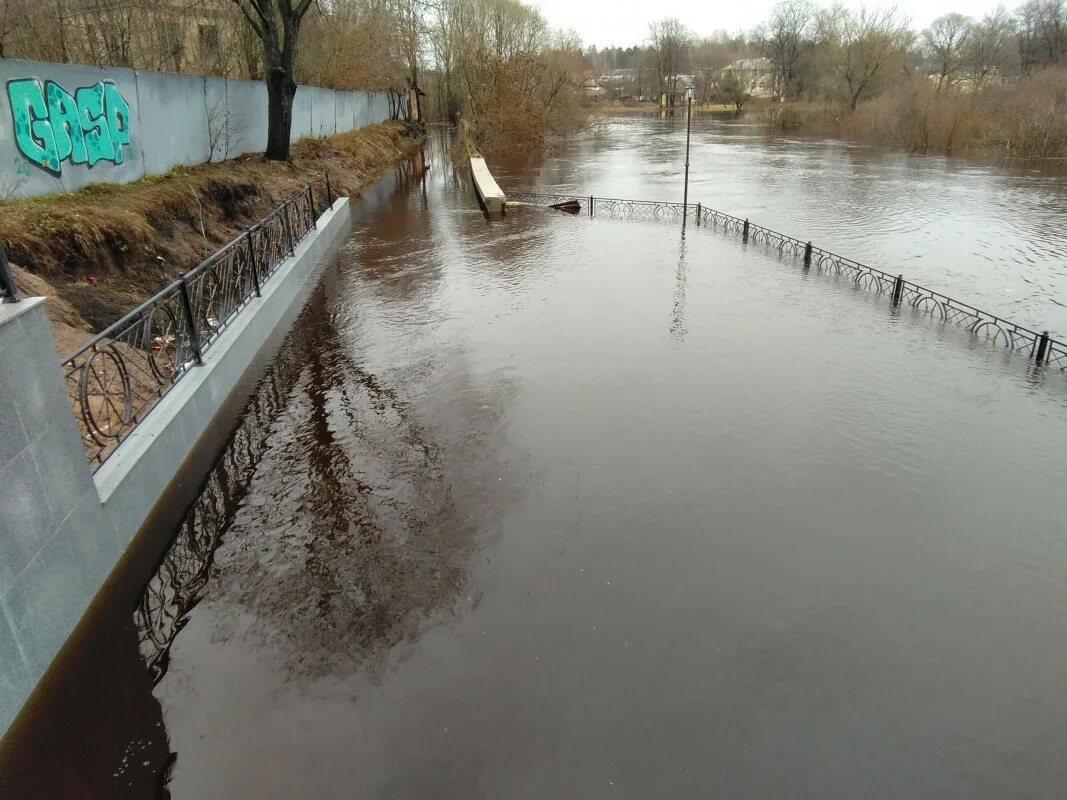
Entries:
{"x":52,"y":126}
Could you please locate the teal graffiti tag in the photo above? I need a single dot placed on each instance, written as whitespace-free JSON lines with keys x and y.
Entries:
{"x":98,"y":144}
{"x":33,"y":130}
{"x":52,"y":126}
{"x":66,"y":128}
{"x":118,"y":118}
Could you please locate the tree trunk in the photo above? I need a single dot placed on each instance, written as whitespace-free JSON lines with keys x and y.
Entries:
{"x":281,"y":89}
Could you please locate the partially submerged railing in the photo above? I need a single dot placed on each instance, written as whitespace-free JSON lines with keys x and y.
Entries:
{"x":1042,"y":348}
{"x":123,"y":372}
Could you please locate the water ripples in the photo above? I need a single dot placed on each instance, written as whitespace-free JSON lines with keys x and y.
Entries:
{"x":991,"y":236}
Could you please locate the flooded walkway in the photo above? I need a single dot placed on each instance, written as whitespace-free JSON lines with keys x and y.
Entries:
{"x":559,"y":507}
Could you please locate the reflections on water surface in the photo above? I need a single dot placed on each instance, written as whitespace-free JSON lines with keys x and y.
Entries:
{"x":550,"y":506}
{"x":639,"y":512}
{"x":338,"y":525}
{"x":990,"y":235}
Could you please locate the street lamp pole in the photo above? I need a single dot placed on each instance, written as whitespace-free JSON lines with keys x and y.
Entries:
{"x":688,"y":128}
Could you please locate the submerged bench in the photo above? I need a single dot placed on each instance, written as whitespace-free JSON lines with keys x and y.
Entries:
{"x":491,"y":195}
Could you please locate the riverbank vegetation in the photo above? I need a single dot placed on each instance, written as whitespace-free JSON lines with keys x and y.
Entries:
{"x":98,"y":252}
{"x":496,"y":63}
{"x":992,"y":83}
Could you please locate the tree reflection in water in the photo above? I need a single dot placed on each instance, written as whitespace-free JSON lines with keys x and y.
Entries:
{"x":332,"y":520}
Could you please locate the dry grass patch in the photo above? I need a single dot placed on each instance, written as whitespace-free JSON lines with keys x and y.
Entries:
{"x":107,"y":247}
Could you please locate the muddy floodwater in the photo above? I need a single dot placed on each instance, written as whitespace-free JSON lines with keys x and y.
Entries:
{"x":553,"y":506}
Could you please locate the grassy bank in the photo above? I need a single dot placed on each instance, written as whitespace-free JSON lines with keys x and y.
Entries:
{"x":99,"y":252}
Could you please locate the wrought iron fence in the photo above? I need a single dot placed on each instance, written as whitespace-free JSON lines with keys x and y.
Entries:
{"x":120,"y":375}
{"x":1042,"y":348}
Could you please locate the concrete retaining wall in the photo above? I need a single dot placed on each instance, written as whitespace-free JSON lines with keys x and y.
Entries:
{"x":63,"y":529}
{"x":64,"y":126}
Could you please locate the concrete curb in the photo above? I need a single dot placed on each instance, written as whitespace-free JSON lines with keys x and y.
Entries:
{"x":488,"y":191}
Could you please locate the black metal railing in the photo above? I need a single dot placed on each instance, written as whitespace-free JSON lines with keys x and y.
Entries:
{"x":120,"y":375}
{"x":1040,"y":347}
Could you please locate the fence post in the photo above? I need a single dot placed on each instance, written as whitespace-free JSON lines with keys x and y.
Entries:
{"x":9,"y":292}
{"x":807,"y":254}
{"x":898,"y":290}
{"x":329,"y":190}
{"x":288,"y":229}
{"x":1042,"y":348}
{"x":252,"y":261}
{"x":744,"y":231}
{"x":190,"y":320}
{"x":590,"y":205}
{"x":698,"y":215}
{"x":311,"y":201}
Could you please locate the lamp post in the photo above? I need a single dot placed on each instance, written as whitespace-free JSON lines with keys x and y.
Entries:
{"x":688,"y":127}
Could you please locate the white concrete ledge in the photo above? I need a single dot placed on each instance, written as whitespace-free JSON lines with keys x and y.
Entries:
{"x":11,"y":311}
{"x":491,"y":195}
{"x":184,"y":413}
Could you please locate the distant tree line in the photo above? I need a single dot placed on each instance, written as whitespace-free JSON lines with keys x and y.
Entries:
{"x":852,"y":53}
{"x":517,"y":81}
{"x":860,"y":64}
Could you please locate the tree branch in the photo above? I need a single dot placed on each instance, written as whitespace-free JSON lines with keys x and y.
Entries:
{"x":248,"y":17}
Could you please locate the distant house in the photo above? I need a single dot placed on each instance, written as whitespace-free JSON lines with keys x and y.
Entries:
{"x":989,"y":75}
{"x":757,"y":76}
{"x":623,"y":84}
{"x":171,"y":36}
{"x":616,"y":76}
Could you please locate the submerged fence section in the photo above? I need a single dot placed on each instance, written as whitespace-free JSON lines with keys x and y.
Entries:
{"x":122,"y":373}
{"x":1040,"y":347}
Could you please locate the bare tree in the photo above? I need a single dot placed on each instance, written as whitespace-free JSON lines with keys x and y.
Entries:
{"x":223,"y":131}
{"x":669,"y":39}
{"x":408,"y":18}
{"x":710,"y":55}
{"x":787,"y":39}
{"x":860,"y":46}
{"x":645,"y":73}
{"x":946,"y":43}
{"x":1042,"y":33}
{"x":738,"y":86}
{"x":277,"y":24}
{"x":989,"y":45}
{"x":499,"y":64}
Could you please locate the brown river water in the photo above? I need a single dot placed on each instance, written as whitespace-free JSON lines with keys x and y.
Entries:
{"x":552,"y":506}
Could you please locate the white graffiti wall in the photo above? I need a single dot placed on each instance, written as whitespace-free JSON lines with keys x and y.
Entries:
{"x":63,"y":126}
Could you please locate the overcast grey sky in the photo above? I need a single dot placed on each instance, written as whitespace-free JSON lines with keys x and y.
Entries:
{"x":625,"y":22}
